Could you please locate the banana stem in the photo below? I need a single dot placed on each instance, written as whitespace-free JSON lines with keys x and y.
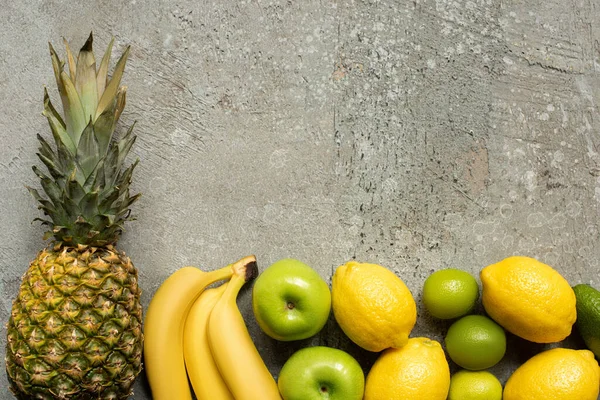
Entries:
{"x":246,"y":267}
{"x":244,"y":270}
{"x":222,"y":273}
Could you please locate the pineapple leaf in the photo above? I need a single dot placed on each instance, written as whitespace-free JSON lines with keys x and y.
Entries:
{"x":77,"y":173}
{"x":113,"y":85}
{"x":73,"y":109}
{"x":124,"y":145}
{"x":91,"y":183}
{"x":50,"y":187}
{"x":87,"y":151}
{"x":39,"y":173}
{"x":116,"y":156}
{"x":53,"y":191}
{"x":50,"y":111}
{"x":125,"y":178}
{"x":57,"y":66}
{"x":70,"y":60}
{"x":104,"y":127}
{"x":66,"y":160}
{"x":43,"y":222}
{"x":110,"y":219}
{"x":71,"y":196}
{"x":45,"y":148}
{"x":121,"y":100}
{"x":123,"y":200}
{"x":85,"y":81}
{"x":54,"y":171}
{"x":81,"y":221}
{"x":57,"y":125}
{"x":111,"y":169}
{"x":98,"y":176}
{"x":89,"y":205}
{"x":45,"y":205}
{"x":53,"y":162}
{"x":35,"y":193}
{"x":106,"y":205}
{"x":102,"y":76}
{"x":124,"y":215}
{"x":70,"y":209}
{"x":133,"y":199}
{"x":60,"y":219}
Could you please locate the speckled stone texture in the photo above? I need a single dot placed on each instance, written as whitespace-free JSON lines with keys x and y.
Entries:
{"x":419,"y":134}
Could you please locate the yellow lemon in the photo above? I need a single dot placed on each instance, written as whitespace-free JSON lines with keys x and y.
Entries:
{"x":557,"y":374}
{"x":417,"y":371}
{"x":529,"y":299}
{"x":372,"y":305}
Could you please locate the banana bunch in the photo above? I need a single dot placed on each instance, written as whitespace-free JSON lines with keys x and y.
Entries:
{"x":192,"y":331}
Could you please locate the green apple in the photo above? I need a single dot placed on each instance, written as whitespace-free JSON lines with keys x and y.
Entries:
{"x":318,"y":373}
{"x":290,"y":300}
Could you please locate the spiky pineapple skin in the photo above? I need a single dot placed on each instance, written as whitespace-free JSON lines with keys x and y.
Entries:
{"x":75,"y":330}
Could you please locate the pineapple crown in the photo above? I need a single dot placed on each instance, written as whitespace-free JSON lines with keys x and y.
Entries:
{"x":87,"y":190}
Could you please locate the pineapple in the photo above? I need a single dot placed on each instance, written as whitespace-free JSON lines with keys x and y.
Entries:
{"x":75,"y":330}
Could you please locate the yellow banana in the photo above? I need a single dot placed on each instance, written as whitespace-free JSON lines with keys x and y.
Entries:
{"x":163,"y":330}
{"x":232,"y":348}
{"x":201,"y":368}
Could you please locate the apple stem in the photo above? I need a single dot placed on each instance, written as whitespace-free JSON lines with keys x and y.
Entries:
{"x":290,"y":305}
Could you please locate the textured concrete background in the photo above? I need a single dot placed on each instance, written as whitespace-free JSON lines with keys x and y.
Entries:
{"x":417,"y":134}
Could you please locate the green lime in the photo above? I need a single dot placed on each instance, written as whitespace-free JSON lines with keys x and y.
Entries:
{"x":475,"y":342}
{"x":450,"y":293}
{"x":588,"y":316}
{"x":474,"y":385}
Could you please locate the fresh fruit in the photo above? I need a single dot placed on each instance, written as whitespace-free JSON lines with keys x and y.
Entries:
{"x":450,"y":293}
{"x":588,"y":316}
{"x":290,"y":300}
{"x":202,"y":370}
{"x":317,"y":373}
{"x":475,"y":342}
{"x":557,"y":374}
{"x":417,"y":371}
{"x":529,"y":299}
{"x":164,"y":327}
{"x":474,"y":385}
{"x":372,"y":305}
{"x":238,"y":360}
{"x":75,"y":329}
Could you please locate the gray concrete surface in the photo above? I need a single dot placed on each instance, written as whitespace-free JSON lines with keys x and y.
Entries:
{"x":416,"y":134}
